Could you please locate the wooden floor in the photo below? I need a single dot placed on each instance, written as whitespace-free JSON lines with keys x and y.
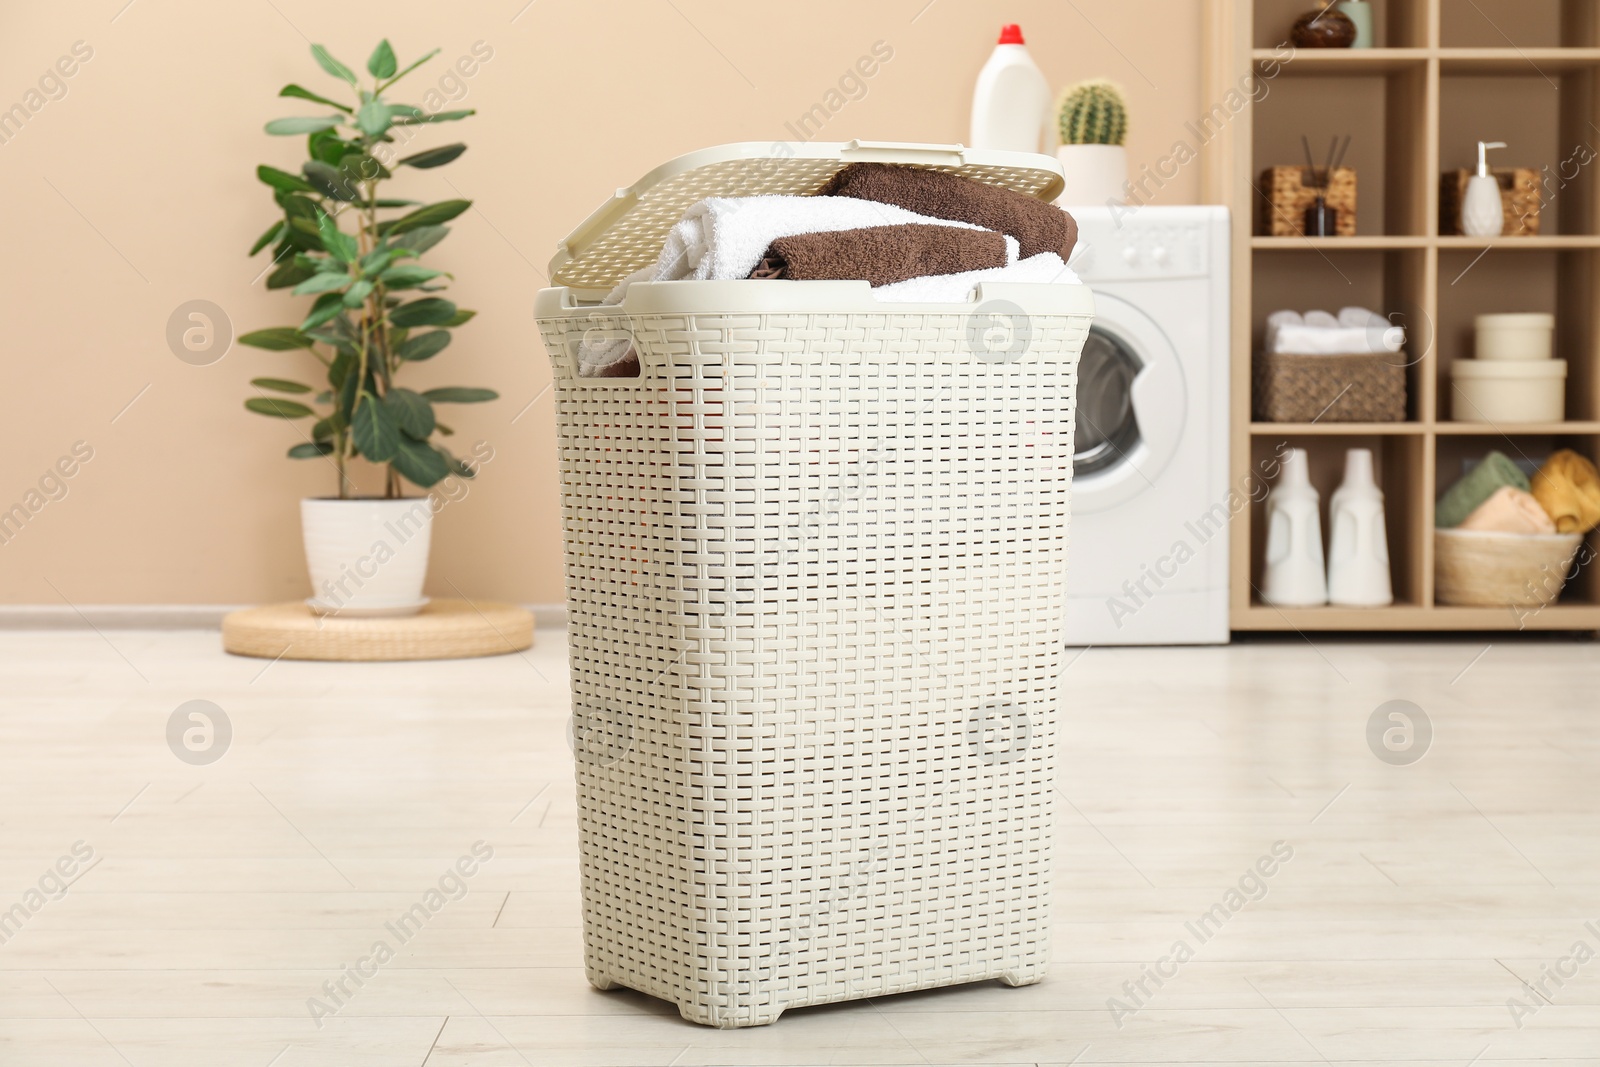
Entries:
{"x":218,"y":899}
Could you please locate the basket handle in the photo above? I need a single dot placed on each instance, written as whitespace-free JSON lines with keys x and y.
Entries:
{"x":932,"y":155}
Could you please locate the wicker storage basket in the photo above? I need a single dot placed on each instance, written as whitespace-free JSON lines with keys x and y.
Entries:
{"x":1288,"y":191}
{"x":1360,"y":387}
{"x":1519,"y":200}
{"x":1489,"y":569}
{"x":815,"y":559}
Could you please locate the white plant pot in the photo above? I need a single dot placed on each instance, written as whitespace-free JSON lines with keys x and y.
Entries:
{"x":367,"y":558}
{"x":1095,"y":173}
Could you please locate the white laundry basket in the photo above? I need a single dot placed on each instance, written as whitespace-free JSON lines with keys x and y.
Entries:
{"x":815,"y":561}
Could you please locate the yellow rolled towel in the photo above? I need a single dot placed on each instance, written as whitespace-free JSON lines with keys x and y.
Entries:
{"x":1568,"y":488}
{"x":1509,"y":510}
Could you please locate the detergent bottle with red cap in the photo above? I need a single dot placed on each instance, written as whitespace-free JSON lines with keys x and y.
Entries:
{"x":1012,"y":101}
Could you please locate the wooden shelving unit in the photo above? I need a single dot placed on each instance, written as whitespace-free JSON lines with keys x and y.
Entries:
{"x":1445,"y":74}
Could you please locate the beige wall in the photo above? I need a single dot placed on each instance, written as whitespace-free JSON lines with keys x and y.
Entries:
{"x":134,"y":193}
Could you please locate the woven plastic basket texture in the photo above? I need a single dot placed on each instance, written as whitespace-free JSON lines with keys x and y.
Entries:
{"x":815,"y":561}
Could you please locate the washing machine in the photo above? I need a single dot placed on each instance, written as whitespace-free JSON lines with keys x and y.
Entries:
{"x":1151,"y":507}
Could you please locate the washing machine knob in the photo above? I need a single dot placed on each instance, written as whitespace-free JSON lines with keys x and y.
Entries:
{"x":1160,"y":255}
{"x":1130,"y":255}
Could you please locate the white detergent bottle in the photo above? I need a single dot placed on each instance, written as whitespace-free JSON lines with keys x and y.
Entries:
{"x":1358,"y":543}
{"x":1294,"y":574}
{"x":1012,"y":101}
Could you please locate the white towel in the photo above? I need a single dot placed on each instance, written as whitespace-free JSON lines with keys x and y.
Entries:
{"x":723,"y":238}
{"x":1317,"y":333}
{"x":1045,"y":267}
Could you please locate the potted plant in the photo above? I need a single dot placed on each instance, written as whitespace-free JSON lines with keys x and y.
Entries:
{"x":1094,"y":125}
{"x":357,"y":253}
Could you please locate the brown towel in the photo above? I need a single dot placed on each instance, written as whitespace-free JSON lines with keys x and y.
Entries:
{"x":882,"y":255}
{"x":1037,"y":226}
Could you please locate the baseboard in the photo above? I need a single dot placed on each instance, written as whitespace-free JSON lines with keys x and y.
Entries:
{"x":171,"y":616}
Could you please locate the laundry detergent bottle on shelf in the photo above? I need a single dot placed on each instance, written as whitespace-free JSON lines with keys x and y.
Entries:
{"x":1012,"y":100}
{"x":1294,"y":573}
{"x":1358,"y":543}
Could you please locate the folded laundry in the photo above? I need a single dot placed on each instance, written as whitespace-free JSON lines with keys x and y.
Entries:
{"x":1476,"y":486}
{"x":1040,"y":227}
{"x":1509,"y":510}
{"x":1318,"y":333}
{"x":1042,"y":269}
{"x":882,"y":255}
{"x":723,"y":238}
{"x":1568,"y":487}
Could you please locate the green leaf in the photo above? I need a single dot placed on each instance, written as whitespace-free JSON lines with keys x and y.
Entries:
{"x":340,"y":245}
{"x":306,"y":450}
{"x":288,"y":127}
{"x":377,"y":261}
{"x":306,"y":94}
{"x":408,"y":70}
{"x":329,"y":181}
{"x":282,"y":179}
{"x":277,"y":407}
{"x":385,"y":202}
{"x":420,"y":238}
{"x":357,"y":293}
{"x":339,"y":370}
{"x":329,"y":428}
{"x":460,"y":318}
{"x":267,"y":238}
{"x":373,"y":118}
{"x":433,"y":157}
{"x":424,"y":345}
{"x":286,"y":275}
{"x":420,"y":464}
{"x":321,"y":283}
{"x":437,"y":116}
{"x":381,"y":63}
{"x":276,"y":339}
{"x":460,"y":394}
{"x":327,"y":306}
{"x":457,"y":467}
{"x":280,"y":385}
{"x":429,"y":311}
{"x":328,"y":147}
{"x":431,"y":215}
{"x":442,"y":428}
{"x":331,"y":65}
{"x":412,"y":414}
{"x":375,"y":433}
{"x":407,"y":275}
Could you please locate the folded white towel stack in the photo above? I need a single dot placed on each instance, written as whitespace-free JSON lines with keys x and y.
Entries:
{"x":1354,"y":331}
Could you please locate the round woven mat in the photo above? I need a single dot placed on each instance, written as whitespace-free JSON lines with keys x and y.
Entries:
{"x":445,"y":629}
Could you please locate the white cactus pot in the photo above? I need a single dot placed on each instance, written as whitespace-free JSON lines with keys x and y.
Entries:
{"x":1095,"y":173}
{"x":367,"y":558}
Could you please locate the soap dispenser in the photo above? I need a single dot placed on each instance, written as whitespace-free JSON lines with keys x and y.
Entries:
{"x":1294,"y":573}
{"x":1481,"y":212}
{"x":1358,"y":543}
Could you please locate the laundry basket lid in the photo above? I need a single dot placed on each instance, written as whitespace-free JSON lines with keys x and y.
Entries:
{"x":627,"y":232}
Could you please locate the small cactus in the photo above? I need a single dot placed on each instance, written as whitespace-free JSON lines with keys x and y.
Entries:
{"x":1092,"y":112}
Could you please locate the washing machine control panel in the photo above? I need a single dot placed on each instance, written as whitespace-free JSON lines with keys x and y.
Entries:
{"x":1141,"y":249}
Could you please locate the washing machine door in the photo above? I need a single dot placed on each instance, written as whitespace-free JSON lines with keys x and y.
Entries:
{"x":1131,"y":407}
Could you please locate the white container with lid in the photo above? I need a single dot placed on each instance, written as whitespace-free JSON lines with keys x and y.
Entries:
{"x":1508,"y":390}
{"x":1519,"y":336}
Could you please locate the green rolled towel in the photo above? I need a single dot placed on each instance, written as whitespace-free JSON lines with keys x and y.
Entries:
{"x":1476,"y":486}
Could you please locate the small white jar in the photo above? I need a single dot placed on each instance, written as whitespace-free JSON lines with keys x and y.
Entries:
{"x":1511,"y":390}
{"x":1520,"y":336}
